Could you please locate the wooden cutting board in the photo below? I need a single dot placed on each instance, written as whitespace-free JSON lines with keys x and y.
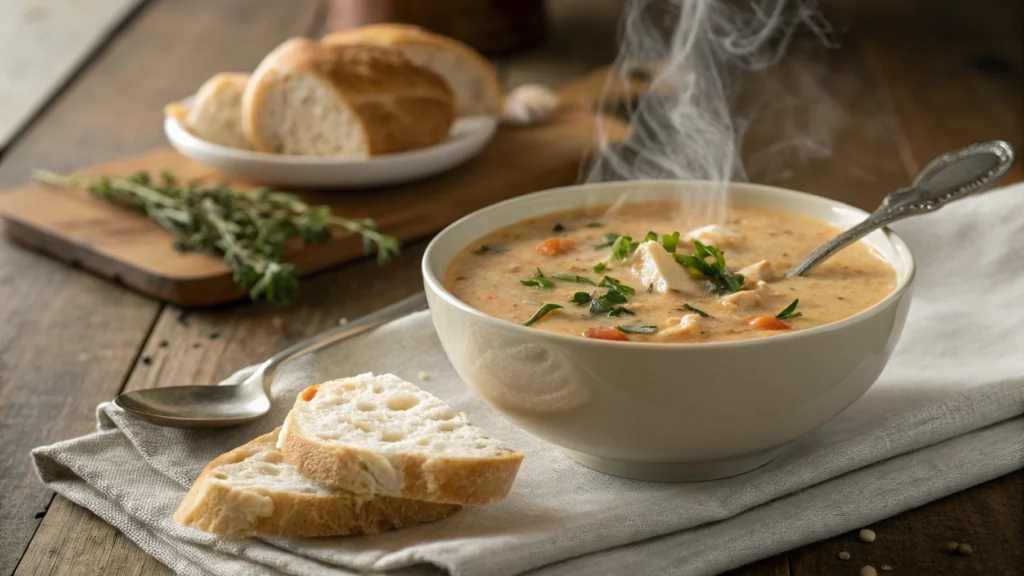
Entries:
{"x":121,"y":245}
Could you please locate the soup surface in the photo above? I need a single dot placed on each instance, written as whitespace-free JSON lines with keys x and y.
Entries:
{"x":623,"y":274}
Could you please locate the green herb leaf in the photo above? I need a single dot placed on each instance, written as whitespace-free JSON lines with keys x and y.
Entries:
{"x":623,"y":247}
{"x":637,"y":329}
{"x":650,"y":236}
{"x":696,"y":311}
{"x":616,"y":286}
{"x":250,"y":228}
{"x":620,"y":311}
{"x":594,"y":225}
{"x":574,"y":278}
{"x":670,"y":241}
{"x":605,"y":304}
{"x":544,"y":310}
{"x":722,"y":281}
{"x":607,"y":240}
{"x":788,"y":313}
{"x":482,"y":249}
{"x":538,"y":281}
{"x":600,"y":267}
{"x":581,"y":298}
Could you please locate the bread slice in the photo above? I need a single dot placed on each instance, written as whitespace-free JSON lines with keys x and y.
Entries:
{"x":215,"y":115}
{"x":252,"y":490}
{"x":473,"y":79}
{"x":381,"y":435}
{"x":347,"y":101}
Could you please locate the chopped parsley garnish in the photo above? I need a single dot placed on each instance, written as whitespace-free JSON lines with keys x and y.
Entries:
{"x":721,"y":280}
{"x":650,"y":287}
{"x":594,"y":225}
{"x":606,"y":304}
{"x":620,"y":311}
{"x":637,"y":329}
{"x":788,"y":312}
{"x":544,"y":310}
{"x":600,"y":267}
{"x":580,"y":298}
{"x":607,"y":240}
{"x":557,"y":227}
{"x":670,"y":241}
{"x":696,"y":311}
{"x":650,"y":236}
{"x":623,"y":248}
{"x":538,"y":280}
{"x":615,"y":285}
{"x":574,"y":278}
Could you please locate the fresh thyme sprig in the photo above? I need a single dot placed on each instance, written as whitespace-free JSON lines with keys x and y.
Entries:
{"x":250,"y":228}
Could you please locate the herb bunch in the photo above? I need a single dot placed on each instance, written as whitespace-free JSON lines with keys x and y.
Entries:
{"x":250,"y":228}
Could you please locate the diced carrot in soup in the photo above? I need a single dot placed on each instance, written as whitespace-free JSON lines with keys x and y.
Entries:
{"x":606,"y":334}
{"x":555,"y":246}
{"x":768,"y":323}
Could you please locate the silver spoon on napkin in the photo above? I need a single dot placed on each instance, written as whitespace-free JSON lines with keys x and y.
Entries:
{"x":235,"y":404}
{"x":949,"y":177}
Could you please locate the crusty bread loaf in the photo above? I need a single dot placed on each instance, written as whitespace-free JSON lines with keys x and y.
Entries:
{"x":349,"y":101}
{"x":473,"y":79}
{"x":252,"y":490}
{"x":381,"y":435}
{"x":215,"y":115}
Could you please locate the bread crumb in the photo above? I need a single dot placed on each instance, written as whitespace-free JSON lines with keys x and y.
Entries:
{"x":886,"y":567}
{"x":423,"y":376}
{"x":342,"y":321}
{"x":277,"y":322}
{"x":868,"y":571}
{"x":844,"y":555}
{"x":952,"y":546}
{"x":964,"y":549}
{"x":867,"y":535}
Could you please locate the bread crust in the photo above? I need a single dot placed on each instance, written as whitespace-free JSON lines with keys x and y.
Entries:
{"x":209,"y":91}
{"x":398,"y":35}
{"x":452,"y":480}
{"x":214,"y":506}
{"x":399,"y":106}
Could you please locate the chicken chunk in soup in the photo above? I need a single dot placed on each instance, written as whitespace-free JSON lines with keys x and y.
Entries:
{"x":632,"y":275}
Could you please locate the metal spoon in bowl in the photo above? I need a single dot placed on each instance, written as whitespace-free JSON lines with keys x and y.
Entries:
{"x":949,"y":177}
{"x":232,"y":405}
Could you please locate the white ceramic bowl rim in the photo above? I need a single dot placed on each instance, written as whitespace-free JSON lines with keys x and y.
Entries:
{"x":437,"y":286}
{"x":179,"y":133}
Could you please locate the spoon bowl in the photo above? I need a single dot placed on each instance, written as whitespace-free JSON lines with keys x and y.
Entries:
{"x":237,"y":404}
{"x":197,"y":406}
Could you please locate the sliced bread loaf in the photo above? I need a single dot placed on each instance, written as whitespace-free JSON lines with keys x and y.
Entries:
{"x":215,"y":115}
{"x":252,"y":490}
{"x":382,"y":435}
{"x":473,"y":79}
{"x":348,"y":101}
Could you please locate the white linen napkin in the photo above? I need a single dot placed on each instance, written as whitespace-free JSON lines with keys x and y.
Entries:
{"x":947,"y":413}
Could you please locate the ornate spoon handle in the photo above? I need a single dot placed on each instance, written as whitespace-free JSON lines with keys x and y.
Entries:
{"x":949,"y":177}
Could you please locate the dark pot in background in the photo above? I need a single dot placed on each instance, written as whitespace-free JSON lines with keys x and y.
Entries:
{"x":493,"y":27}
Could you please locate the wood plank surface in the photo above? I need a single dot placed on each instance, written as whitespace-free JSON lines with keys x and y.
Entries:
{"x":42,"y":44}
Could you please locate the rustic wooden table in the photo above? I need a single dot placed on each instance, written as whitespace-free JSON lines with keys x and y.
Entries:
{"x":911,"y":80}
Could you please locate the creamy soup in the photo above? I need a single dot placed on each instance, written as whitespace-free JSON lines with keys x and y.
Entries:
{"x":630,"y":274}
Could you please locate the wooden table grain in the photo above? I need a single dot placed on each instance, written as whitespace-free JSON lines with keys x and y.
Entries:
{"x":912,"y":79}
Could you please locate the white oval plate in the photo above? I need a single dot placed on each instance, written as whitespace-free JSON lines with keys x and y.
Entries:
{"x":468,"y":136}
